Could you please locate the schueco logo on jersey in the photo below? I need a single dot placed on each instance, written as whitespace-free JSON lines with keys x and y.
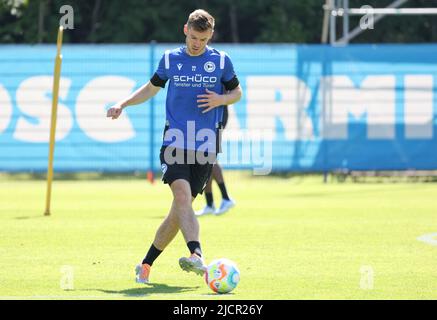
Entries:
{"x":209,"y":66}
{"x":197,"y":78}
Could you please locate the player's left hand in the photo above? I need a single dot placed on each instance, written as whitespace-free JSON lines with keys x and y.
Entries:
{"x":210,"y":100}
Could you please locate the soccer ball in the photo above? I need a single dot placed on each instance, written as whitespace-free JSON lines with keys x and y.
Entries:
{"x":222,"y":275}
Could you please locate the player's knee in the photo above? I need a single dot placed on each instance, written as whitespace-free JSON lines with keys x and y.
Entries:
{"x":182,"y":199}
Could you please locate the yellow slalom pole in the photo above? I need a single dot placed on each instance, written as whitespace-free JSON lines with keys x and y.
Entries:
{"x":55,"y":93}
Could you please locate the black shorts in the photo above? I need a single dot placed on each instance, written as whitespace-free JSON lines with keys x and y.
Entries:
{"x":192,"y":168}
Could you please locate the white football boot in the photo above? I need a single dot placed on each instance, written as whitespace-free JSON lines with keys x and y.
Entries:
{"x":194,"y":263}
{"x":205,"y":210}
{"x":225,"y":206}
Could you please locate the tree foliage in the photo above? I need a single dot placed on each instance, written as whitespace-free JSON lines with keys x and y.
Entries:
{"x":242,"y":21}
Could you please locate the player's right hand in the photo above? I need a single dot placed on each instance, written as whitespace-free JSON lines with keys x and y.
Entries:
{"x":114,"y":112}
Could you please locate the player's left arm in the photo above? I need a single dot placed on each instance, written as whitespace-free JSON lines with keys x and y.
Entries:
{"x":233,"y":96}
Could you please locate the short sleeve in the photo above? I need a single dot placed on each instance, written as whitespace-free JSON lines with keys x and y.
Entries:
{"x":228,"y":71}
{"x":229,"y":78}
{"x":160,"y":77}
{"x":161,"y":71}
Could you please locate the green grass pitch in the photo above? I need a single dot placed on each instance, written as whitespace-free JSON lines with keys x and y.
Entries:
{"x":292,"y":238}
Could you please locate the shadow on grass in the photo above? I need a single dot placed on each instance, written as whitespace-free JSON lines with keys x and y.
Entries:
{"x":29,"y":217}
{"x":218,"y":295}
{"x":148,"y":289}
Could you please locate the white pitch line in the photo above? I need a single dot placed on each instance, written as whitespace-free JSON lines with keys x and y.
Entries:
{"x":429,"y":238}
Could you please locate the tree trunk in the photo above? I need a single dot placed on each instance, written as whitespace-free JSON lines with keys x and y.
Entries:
{"x":234,"y":22}
{"x":94,"y":20}
{"x":41,"y":14}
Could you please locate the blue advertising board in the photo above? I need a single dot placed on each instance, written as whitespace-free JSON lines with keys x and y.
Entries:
{"x":304,"y":108}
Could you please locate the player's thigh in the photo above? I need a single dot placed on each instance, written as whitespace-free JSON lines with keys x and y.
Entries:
{"x":181,"y":190}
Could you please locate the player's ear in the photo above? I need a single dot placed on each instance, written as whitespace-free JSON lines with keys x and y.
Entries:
{"x":186,"y":29}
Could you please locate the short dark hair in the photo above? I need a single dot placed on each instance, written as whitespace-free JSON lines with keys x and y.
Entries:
{"x":200,"y":20}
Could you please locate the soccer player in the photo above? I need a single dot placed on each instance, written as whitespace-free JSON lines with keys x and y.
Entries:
{"x":217,"y":175}
{"x":201,"y":81}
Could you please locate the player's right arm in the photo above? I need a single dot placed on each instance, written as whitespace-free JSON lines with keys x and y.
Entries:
{"x":143,"y":94}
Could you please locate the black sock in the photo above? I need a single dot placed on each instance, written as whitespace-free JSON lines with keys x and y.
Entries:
{"x":209,"y":199}
{"x":194,"y":247}
{"x":223,"y":190}
{"x":151,"y":256}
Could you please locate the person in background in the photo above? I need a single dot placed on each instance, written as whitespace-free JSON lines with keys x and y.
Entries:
{"x":217,"y":175}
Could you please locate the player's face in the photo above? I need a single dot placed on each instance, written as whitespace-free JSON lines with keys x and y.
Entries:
{"x":196,"y":41}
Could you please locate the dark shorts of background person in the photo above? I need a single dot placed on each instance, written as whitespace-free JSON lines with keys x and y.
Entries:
{"x":196,"y":173}
{"x":222,"y":126}
{"x":225,"y":117}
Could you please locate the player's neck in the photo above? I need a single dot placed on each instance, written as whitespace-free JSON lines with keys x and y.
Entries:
{"x":187,"y":51}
